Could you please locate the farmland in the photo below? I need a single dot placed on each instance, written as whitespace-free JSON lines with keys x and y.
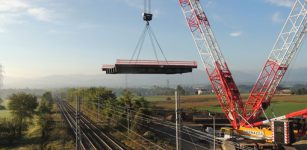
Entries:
{"x":281,"y":104}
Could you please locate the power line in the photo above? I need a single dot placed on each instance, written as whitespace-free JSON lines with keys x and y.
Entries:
{"x":167,"y":123}
{"x":159,"y":147}
{"x":165,"y":133}
{"x":186,"y":130}
{"x":152,"y":128}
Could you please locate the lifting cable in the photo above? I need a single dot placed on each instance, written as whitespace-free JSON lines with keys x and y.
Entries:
{"x":147,"y":17}
{"x":265,"y":115}
{"x":272,"y":111}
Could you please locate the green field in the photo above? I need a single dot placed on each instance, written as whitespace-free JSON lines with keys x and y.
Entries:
{"x":281,"y":104}
{"x":5,"y":113}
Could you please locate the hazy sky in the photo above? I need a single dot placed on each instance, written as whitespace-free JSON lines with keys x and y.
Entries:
{"x":53,"y":37}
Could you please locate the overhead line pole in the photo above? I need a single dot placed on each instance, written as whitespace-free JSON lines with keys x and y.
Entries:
{"x":178,"y":118}
{"x":78,"y":131}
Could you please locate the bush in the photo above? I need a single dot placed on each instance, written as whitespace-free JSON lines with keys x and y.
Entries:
{"x":2,"y":107}
{"x":168,"y":98}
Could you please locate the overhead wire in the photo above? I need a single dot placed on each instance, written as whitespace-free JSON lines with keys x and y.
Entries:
{"x":185,"y":129}
{"x":166,"y":125}
{"x":199,"y":134}
{"x":190,"y":135}
{"x":159,"y":147}
{"x":165,"y":133}
{"x":130,"y":139}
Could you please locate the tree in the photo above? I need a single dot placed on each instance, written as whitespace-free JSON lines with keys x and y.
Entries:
{"x":180,"y":90}
{"x":301,"y":91}
{"x":127,"y":98}
{"x":47,"y":96}
{"x":44,"y":109}
{"x":1,"y":106}
{"x":23,"y":107}
{"x":46,"y":103}
{"x":138,"y":107}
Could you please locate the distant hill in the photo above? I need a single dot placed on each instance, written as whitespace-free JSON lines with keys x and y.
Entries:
{"x":198,"y":77}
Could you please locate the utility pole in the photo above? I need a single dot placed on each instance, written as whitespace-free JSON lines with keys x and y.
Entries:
{"x":167,"y":83}
{"x":1,"y":76}
{"x":213,"y":117}
{"x":178,"y":119}
{"x":78,"y":131}
{"x":98,"y":111}
{"x":128,"y":119}
{"x":126,"y":81}
{"x":98,"y":106}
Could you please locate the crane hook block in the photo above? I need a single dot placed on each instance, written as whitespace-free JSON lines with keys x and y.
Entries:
{"x":147,"y":17}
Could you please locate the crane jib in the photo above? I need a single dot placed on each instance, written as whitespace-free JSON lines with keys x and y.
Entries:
{"x":286,"y":47}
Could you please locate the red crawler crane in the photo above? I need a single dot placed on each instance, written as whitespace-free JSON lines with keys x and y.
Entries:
{"x":284,"y":50}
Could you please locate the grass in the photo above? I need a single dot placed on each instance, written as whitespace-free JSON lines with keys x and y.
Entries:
{"x":35,"y":129}
{"x":282,"y":108}
{"x":5,"y":113}
{"x":58,"y":138}
{"x":5,"y":103}
{"x":281,"y":104}
{"x":31,"y":138}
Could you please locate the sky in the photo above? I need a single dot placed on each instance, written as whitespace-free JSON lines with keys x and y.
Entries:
{"x":61,"y":37}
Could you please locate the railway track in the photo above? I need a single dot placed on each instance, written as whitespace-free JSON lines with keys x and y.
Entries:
{"x":92,"y":137}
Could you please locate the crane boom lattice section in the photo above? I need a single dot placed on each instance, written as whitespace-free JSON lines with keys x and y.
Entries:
{"x":214,"y":62}
{"x":286,"y":47}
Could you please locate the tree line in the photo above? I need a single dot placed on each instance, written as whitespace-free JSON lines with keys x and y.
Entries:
{"x":124,"y":114}
{"x":116,"y":112}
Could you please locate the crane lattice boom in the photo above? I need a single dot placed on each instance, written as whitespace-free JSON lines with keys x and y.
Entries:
{"x":214,"y":62}
{"x":286,"y":47}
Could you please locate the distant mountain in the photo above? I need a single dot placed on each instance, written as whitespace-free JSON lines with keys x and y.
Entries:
{"x":197,"y":78}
